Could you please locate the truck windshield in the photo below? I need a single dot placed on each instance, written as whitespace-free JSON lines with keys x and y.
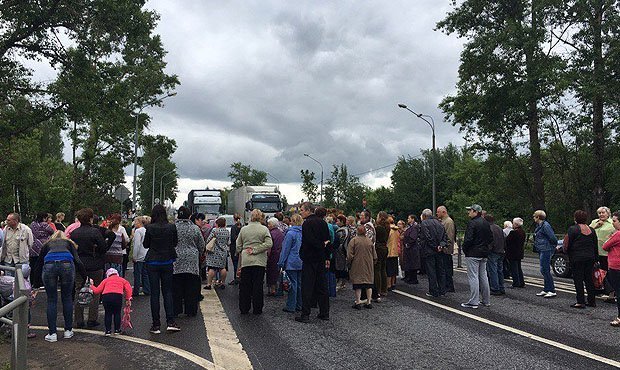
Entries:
{"x":212,"y":209}
{"x":267,"y":206}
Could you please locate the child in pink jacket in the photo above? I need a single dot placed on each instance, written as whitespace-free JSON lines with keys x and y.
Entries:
{"x":111,"y":290}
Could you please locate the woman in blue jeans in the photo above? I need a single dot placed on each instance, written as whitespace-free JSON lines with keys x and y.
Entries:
{"x":291,"y":263}
{"x":545,"y":243}
{"x":160,"y":239}
{"x":57,"y":262}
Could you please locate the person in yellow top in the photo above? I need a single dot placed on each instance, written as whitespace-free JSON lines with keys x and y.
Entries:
{"x":603,"y":228}
{"x":391,"y":263}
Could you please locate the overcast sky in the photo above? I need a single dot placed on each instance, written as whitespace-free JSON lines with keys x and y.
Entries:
{"x":263,"y":82}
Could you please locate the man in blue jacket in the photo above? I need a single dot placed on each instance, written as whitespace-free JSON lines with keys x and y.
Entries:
{"x":545,"y":243}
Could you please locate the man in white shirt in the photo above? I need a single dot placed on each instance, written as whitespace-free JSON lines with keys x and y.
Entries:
{"x":140,"y":275}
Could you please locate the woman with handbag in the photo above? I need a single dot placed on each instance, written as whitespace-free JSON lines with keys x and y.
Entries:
{"x":217,"y":253}
{"x":581,"y":245}
{"x":186,"y":273}
{"x":612,"y":247}
{"x":114,"y":255}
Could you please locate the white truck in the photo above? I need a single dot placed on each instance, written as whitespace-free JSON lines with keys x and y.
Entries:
{"x":246,"y":198}
{"x":207,"y":201}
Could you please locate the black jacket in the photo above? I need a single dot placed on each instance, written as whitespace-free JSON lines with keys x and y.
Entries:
{"x":478,"y":240}
{"x":234,"y":233}
{"x":55,"y":246}
{"x":432,"y":235}
{"x":161,"y":240}
{"x":91,"y":247}
{"x":314,"y":234}
{"x":499,"y":240}
{"x":515,"y":244}
{"x":580,"y":247}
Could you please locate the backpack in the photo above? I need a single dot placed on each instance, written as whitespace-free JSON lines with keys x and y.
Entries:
{"x":85,"y":295}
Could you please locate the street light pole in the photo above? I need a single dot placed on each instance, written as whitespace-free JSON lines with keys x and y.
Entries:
{"x":309,"y":156}
{"x":164,"y":195}
{"x":153,"y":186}
{"x":161,"y":181}
{"x":136,"y":144}
{"x":431,"y":123}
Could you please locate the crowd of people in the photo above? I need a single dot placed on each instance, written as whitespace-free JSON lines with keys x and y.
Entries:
{"x":312,"y":255}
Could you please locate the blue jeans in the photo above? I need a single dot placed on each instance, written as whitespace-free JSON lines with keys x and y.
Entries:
{"x":160,"y":277}
{"x":495,"y":270}
{"x":65,"y":272}
{"x":545,"y":270}
{"x":293,"y":301}
{"x":117,"y":266}
{"x":140,"y":279}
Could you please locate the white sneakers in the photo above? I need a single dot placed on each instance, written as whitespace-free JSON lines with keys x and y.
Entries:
{"x":546,"y":294}
{"x":54,"y":337}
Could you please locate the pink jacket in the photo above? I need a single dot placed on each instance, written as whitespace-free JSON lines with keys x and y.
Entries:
{"x":612,"y":245}
{"x":114,"y":284}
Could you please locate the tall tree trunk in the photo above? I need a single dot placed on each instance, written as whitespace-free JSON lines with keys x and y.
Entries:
{"x":74,"y":179}
{"x":537,"y":192}
{"x":598,"y":190}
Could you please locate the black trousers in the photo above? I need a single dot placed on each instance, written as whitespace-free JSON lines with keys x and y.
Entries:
{"x":314,"y":288}
{"x":582,"y":272}
{"x":449,"y":271}
{"x":251,"y":289}
{"x":112,"y":303}
{"x":185,"y":293}
{"x":436,"y":274}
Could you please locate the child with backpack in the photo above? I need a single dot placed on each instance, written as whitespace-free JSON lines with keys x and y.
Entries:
{"x":112,"y":289}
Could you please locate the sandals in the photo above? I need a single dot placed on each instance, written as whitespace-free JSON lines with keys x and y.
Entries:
{"x":616,"y":322}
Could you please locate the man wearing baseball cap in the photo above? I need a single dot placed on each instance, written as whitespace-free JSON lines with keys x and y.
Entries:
{"x":476,"y":246}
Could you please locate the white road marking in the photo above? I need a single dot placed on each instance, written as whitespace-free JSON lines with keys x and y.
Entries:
{"x":223,"y":341}
{"x":177,"y":351}
{"x":522,"y":333}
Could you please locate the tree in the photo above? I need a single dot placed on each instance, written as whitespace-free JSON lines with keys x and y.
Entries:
{"x":308,"y":186}
{"x":343,"y":191}
{"x":244,"y":175}
{"x":590,"y":29}
{"x":507,"y":80}
{"x":109,"y":65}
{"x":157,"y":154}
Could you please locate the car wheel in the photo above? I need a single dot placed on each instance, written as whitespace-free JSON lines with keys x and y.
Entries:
{"x":559,"y":265}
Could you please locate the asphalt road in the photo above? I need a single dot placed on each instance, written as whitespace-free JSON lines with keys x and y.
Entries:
{"x":407,"y":331}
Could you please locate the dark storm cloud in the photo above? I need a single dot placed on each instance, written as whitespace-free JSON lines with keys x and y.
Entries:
{"x":265,"y":82}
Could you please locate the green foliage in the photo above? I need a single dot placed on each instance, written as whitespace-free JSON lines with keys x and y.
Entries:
{"x":109,"y":64}
{"x":308,"y":187}
{"x":344,"y":191}
{"x":244,"y":175}
{"x":157,"y":153}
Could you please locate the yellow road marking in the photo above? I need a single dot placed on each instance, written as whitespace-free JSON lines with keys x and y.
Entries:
{"x":177,"y":351}
{"x":522,"y":333}
{"x":223,"y":341}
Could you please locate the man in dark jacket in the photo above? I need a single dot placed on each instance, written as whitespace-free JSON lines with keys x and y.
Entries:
{"x":495,"y":264}
{"x":313,"y":253}
{"x":515,"y":243}
{"x":432,"y":239}
{"x":92,"y":248}
{"x":476,"y":246}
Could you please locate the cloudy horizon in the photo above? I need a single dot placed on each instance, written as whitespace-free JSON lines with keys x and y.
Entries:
{"x":264,"y":82}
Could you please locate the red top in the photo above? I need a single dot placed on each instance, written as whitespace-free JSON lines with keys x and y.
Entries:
{"x":114,"y":284}
{"x":613,"y":247}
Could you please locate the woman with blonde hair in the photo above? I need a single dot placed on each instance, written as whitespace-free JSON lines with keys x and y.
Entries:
{"x":391,"y":264}
{"x":57,"y":262}
{"x":253,"y":242}
{"x":604,"y":228}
